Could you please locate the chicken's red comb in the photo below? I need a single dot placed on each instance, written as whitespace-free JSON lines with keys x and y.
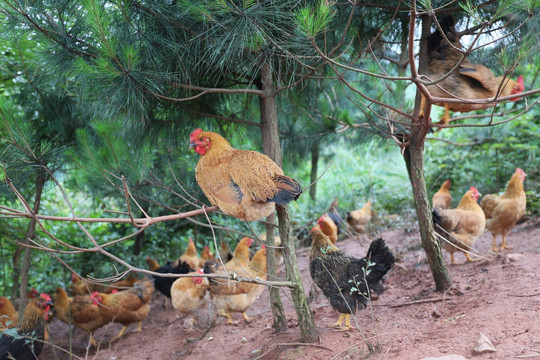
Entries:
{"x":520,"y":80}
{"x":206,"y":247}
{"x":200,"y":271}
{"x":114,"y":291}
{"x":473,"y":189}
{"x":263,"y":246}
{"x":314,"y":228}
{"x":194,"y":134}
{"x":45,"y":296}
{"x":519,"y":170}
{"x":448,"y":182}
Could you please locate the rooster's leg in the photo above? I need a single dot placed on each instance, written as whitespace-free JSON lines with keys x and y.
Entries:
{"x":139,"y":327}
{"x":503,"y":244}
{"x":469,"y":258}
{"x":452,"y":261}
{"x":446,"y":117}
{"x":494,"y":246}
{"x":227,"y":315}
{"x":246,"y":318}
{"x":339,"y":322}
{"x":422,"y":104}
{"x":92,"y":340}
{"x":119,"y":334}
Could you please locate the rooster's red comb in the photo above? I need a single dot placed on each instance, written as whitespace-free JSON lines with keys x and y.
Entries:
{"x":195,"y":134}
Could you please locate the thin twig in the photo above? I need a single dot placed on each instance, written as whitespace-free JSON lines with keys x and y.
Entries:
{"x":423,"y":301}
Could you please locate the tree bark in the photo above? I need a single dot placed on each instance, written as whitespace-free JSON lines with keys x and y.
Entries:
{"x":272,"y":148}
{"x":314,"y":170}
{"x":307,"y":325}
{"x":414,"y":158}
{"x":41,"y":178}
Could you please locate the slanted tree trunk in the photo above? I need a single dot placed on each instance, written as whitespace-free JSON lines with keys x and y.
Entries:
{"x":272,"y":148}
{"x":414,"y":158}
{"x":314,"y":170}
{"x":41,"y":178}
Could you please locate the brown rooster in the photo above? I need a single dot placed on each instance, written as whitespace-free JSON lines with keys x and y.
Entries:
{"x":27,"y":340}
{"x":502,"y":212}
{"x":126,"y":307}
{"x":443,"y":199}
{"x":460,"y":226}
{"x":469,"y":81}
{"x":242,"y":183}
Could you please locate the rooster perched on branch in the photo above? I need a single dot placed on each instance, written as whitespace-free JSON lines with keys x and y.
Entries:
{"x":242,"y":183}
{"x":469,"y":81}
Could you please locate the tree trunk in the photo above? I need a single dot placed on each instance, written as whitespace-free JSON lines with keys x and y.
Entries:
{"x":314,"y":170}
{"x":272,"y":148}
{"x":278,"y":313}
{"x":41,"y":177}
{"x":301,"y":305}
{"x":414,"y":158}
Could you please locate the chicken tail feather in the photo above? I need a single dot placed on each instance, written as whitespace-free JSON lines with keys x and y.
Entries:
{"x":381,"y":261}
{"x":289,"y":190}
{"x":437,"y":220}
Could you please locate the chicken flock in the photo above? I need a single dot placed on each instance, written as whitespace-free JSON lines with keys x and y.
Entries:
{"x":248,"y":185}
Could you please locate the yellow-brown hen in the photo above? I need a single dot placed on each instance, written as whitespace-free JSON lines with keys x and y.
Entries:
{"x":242,"y":183}
{"x":469,"y":81}
{"x":442,"y":199}
{"x":503,"y":212}
{"x":460,"y":226}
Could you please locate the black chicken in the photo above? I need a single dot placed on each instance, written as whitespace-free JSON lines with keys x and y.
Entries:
{"x":346,"y":281}
{"x":163,"y":284}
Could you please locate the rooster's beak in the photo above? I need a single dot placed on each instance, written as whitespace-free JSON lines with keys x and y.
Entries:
{"x":191,"y":145}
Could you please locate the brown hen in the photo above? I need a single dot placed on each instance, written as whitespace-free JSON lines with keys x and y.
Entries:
{"x":503,"y":212}
{"x":467,"y":82}
{"x":460,"y":226}
{"x":442,"y":199}
{"x":242,"y":183}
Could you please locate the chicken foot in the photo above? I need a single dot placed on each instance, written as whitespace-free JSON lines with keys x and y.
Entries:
{"x":119,"y":334}
{"x":503,"y":244}
{"x":228,"y":316}
{"x":338,"y":323}
{"x":246,"y":318}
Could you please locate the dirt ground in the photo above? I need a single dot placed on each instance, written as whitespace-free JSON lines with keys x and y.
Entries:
{"x":498,"y":296}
